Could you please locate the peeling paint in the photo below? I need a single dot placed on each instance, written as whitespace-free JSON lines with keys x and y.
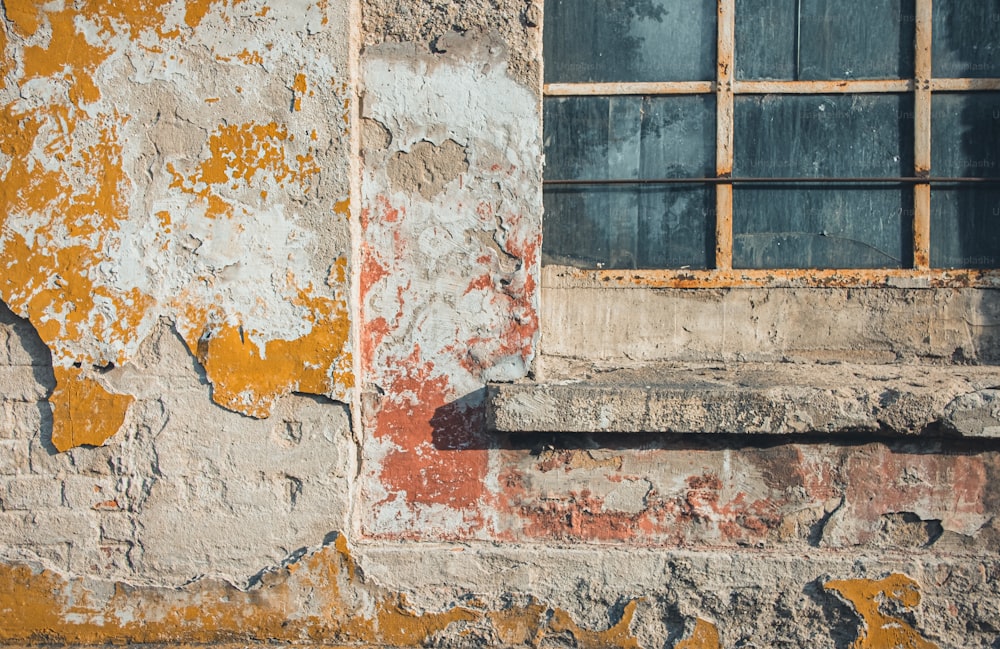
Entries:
{"x":703,"y":636}
{"x":99,"y":242}
{"x":318,"y":598}
{"x":870,"y":598}
{"x":83,"y":412}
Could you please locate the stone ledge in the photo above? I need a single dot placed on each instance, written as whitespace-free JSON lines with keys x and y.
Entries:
{"x":758,"y":398}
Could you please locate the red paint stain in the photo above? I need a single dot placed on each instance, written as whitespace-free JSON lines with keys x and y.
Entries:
{"x":435,"y":463}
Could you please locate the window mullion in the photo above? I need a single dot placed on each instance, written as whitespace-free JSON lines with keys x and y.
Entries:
{"x":724,"y":135}
{"x":922,"y":135}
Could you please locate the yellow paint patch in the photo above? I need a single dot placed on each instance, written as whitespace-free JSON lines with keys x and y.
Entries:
{"x":65,"y":178}
{"x":880,"y":630}
{"x":317,"y":599}
{"x":241,"y":153}
{"x":69,"y":56}
{"x":24,"y":15}
{"x":704,"y":636}
{"x":250,"y":379}
{"x":299,"y":89}
{"x":83,"y":412}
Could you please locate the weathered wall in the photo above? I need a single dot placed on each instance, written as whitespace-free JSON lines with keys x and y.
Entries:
{"x":260,"y":260}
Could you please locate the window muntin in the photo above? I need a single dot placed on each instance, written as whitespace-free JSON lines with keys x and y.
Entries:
{"x":843,"y":106}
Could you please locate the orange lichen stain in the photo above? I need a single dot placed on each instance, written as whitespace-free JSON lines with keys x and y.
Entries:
{"x":704,"y":636}
{"x":299,"y":89}
{"x":212,"y":100}
{"x":83,"y":412}
{"x":880,"y":630}
{"x":318,"y":598}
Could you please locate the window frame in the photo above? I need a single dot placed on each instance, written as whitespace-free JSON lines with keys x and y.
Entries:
{"x":726,"y":88}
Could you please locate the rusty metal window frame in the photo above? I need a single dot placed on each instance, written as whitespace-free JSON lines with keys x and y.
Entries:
{"x":726,"y":88}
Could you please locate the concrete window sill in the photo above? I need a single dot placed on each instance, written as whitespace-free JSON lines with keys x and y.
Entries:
{"x":759,"y":398}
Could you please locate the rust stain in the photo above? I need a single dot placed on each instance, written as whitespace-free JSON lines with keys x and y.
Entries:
{"x":83,"y":412}
{"x":703,"y":636}
{"x":779,"y":278}
{"x":879,"y":629}
{"x":319,"y":598}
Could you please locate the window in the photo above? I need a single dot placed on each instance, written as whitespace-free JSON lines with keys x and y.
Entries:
{"x":737,"y":138}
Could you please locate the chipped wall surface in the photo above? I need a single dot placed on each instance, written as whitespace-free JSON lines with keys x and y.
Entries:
{"x":260,"y":262}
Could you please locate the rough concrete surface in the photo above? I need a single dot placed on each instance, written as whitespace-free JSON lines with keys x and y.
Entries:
{"x":757,"y":398}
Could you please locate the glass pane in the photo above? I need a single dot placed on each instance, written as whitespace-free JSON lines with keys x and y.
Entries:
{"x":817,"y":136}
{"x":824,"y":39}
{"x":648,"y":226}
{"x":966,"y":38}
{"x":965,"y":134}
{"x":822,"y":227}
{"x":629,"y":226}
{"x":965,"y":221}
{"x":628,"y":137}
{"x":629,"y":40}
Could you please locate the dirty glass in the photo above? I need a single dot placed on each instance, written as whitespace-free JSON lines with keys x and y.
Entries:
{"x":838,"y":225}
{"x":629,"y":40}
{"x":629,"y":138}
{"x":825,"y":39}
{"x":965,"y":142}
{"x":966,"y":38}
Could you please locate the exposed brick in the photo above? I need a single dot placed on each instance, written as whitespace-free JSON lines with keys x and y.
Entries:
{"x":14,"y":456}
{"x":93,"y":461}
{"x":46,"y":460}
{"x":80,"y":529}
{"x":117,"y":527}
{"x":19,"y":383}
{"x":90,"y":492}
{"x":33,"y":492}
{"x":26,"y":417}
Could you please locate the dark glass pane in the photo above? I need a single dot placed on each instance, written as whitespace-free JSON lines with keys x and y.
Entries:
{"x":629,"y":40}
{"x":629,"y":137}
{"x":965,"y":134}
{"x":817,"y":136}
{"x":817,"y":226}
{"x":965,"y":228}
{"x":822,"y":227}
{"x":824,"y":39}
{"x":631,"y":226}
{"x":966,"y":36}
{"x":965,"y":221}
{"x":650,"y":226}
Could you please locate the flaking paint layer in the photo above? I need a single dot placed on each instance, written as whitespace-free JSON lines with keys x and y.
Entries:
{"x":321,"y":597}
{"x":872,"y":598}
{"x":115,"y":173}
